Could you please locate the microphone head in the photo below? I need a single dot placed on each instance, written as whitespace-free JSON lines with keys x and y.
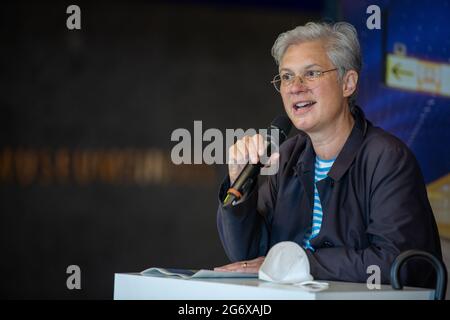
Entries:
{"x":283,"y":124}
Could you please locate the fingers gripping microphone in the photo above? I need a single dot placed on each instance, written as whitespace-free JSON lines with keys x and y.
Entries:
{"x":246,"y":178}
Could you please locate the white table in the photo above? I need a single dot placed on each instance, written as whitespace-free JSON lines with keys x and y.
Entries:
{"x":133,"y":286}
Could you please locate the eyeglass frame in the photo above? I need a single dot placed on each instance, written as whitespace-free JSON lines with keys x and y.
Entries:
{"x":302,"y":79}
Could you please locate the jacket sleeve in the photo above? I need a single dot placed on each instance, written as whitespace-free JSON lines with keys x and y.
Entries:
{"x":400,"y":218}
{"x":244,"y":228}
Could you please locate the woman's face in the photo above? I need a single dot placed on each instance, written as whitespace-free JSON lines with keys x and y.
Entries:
{"x":325,"y":94}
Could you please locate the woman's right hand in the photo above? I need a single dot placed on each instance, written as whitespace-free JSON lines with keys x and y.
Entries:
{"x":249,"y":149}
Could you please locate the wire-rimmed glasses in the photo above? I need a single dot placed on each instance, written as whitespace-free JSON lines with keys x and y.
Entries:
{"x":308,"y":78}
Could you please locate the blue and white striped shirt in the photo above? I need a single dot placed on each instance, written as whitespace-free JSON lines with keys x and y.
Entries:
{"x":322,"y":167}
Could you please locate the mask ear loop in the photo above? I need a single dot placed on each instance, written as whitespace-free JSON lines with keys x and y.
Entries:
{"x":313,"y":286}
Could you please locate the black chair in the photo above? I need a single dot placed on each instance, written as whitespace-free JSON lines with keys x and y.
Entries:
{"x":439,"y":267}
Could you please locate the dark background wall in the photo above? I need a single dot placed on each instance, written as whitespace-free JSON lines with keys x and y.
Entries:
{"x":135,"y":72}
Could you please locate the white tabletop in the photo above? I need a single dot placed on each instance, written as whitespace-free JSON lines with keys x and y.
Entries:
{"x":137,"y":287}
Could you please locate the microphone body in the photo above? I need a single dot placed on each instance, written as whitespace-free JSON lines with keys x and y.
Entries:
{"x":250,"y":172}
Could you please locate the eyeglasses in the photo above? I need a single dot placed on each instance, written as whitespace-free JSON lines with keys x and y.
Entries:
{"x":309,"y":78}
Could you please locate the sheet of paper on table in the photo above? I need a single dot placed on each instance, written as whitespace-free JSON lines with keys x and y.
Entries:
{"x":195,"y":274}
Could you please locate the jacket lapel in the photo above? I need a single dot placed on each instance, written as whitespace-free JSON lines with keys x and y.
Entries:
{"x":305,"y":173}
{"x":351,"y":146}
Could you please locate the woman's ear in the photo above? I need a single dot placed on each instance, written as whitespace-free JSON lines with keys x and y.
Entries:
{"x":349,"y":83}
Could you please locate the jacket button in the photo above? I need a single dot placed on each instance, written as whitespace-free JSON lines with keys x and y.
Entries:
{"x":328,"y":244}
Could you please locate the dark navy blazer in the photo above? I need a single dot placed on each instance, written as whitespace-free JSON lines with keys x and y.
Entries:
{"x":374,"y":204}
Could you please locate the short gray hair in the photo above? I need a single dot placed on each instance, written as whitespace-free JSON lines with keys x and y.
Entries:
{"x":341,"y":43}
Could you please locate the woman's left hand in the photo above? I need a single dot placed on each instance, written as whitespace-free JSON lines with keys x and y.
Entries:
{"x":249,"y":266}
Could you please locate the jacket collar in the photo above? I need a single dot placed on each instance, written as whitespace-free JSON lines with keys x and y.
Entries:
{"x":345,"y":158}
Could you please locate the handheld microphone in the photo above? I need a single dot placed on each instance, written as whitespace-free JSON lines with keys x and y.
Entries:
{"x":246,"y":178}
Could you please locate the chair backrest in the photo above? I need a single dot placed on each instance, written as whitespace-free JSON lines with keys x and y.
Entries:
{"x":441,"y":272}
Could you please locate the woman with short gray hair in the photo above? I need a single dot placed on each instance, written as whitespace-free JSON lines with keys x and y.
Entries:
{"x":349,"y":193}
{"x":342,"y":45}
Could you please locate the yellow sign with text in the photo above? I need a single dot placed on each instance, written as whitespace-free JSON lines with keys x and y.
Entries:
{"x":417,"y":75}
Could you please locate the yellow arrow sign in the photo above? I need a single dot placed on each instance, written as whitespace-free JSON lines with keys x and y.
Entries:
{"x":417,"y":75}
{"x":397,"y":71}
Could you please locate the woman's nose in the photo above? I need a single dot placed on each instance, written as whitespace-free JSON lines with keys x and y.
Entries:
{"x":298,"y":85}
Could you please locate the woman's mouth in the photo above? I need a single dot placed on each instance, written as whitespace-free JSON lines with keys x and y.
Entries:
{"x":303,"y":107}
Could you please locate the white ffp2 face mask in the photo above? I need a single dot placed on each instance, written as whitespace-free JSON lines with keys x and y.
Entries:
{"x":287,"y":263}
